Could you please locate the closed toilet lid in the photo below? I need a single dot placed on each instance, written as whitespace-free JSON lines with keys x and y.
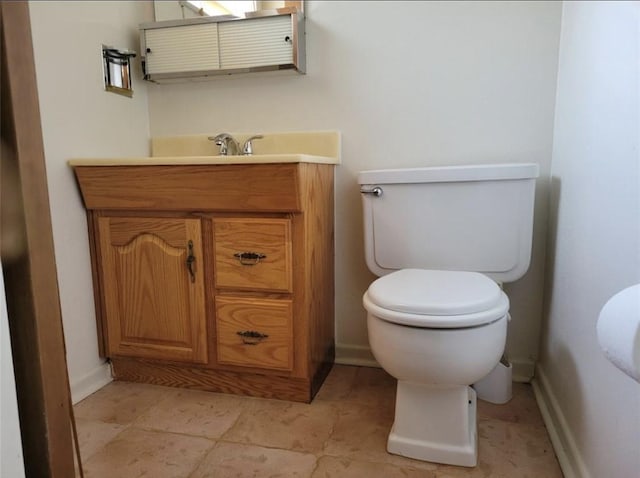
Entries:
{"x":433,"y":298}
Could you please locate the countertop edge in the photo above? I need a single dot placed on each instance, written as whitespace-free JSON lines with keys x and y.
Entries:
{"x":203,"y":160}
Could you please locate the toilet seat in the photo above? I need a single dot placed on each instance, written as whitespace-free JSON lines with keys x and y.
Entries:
{"x":436,"y":299}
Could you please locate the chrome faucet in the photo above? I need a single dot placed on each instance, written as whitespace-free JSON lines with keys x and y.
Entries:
{"x":247,"y":149}
{"x":228,"y":145}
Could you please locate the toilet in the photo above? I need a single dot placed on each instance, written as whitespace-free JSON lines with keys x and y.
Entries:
{"x":442,"y":241}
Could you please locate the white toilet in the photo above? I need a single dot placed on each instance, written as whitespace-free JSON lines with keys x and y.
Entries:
{"x":442,"y":239}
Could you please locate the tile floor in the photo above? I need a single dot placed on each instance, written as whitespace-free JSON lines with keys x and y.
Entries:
{"x":137,"y":430}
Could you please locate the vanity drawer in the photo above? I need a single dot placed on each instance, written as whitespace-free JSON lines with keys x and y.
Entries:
{"x":253,"y":254}
{"x":254,"y":332}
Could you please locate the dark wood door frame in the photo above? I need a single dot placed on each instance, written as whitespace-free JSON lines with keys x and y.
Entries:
{"x":31,"y":287}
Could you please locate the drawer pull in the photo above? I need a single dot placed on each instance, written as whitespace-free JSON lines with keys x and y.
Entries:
{"x":249,"y":258}
{"x":190,"y":260}
{"x":251,"y":337}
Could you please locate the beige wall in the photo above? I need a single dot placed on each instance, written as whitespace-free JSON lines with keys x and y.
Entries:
{"x":407,"y":84}
{"x":79,"y":118}
{"x":594,"y":248}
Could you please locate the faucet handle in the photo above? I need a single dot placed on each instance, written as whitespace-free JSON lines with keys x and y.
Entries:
{"x":247,"y":149}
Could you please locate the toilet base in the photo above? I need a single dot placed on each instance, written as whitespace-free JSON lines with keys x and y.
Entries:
{"x":435,"y":424}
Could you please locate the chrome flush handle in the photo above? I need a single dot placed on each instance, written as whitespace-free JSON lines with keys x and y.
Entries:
{"x":376,"y":190}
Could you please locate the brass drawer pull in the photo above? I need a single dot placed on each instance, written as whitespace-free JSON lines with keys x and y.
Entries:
{"x":251,"y":337}
{"x":190,"y":260}
{"x":249,"y":258}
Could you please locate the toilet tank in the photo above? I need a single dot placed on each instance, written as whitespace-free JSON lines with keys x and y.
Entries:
{"x":472,"y":218}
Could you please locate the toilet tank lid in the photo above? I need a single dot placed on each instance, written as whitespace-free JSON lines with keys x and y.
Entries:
{"x":440,"y":174}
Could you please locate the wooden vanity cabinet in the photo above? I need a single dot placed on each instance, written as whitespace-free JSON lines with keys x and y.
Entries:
{"x":214,"y":277}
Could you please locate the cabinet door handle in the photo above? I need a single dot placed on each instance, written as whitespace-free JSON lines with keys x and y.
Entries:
{"x":251,"y":337}
{"x":190,"y":260}
{"x":249,"y":258}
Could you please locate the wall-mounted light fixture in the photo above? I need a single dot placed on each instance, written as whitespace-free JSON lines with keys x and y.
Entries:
{"x":116,"y":65}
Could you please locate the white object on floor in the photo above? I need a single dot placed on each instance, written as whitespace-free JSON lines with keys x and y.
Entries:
{"x":497,"y":386}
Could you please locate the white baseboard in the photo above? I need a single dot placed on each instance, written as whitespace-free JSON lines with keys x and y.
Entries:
{"x":523,"y":370}
{"x":359,"y":355}
{"x":562,"y":439}
{"x":90,"y":383}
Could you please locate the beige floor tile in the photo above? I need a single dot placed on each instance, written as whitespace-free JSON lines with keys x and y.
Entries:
{"x":120,"y":402}
{"x":280,"y":424}
{"x":93,"y":435}
{"x":233,"y":460}
{"x":517,"y":450}
{"x":343,"y":433}
{"x":361,"y":434}
{"x":139,"y":453}
{"x":373,"y":386}
{"x":338,"y":384}
{"x":522,"y":408}
{"x":509,"y":450}
{"x":480,"y":471}
{"x":332,"y":467}
{"x":194,"y":413}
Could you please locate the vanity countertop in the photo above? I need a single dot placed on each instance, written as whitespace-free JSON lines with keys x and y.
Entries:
{"x":321,"y":147}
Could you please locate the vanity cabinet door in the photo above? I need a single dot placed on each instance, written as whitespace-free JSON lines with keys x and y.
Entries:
{"x":153,"y":287}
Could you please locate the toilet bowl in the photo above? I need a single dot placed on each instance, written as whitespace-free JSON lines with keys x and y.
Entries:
{"x":439,"y":238}
{"x":436,"y":332}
